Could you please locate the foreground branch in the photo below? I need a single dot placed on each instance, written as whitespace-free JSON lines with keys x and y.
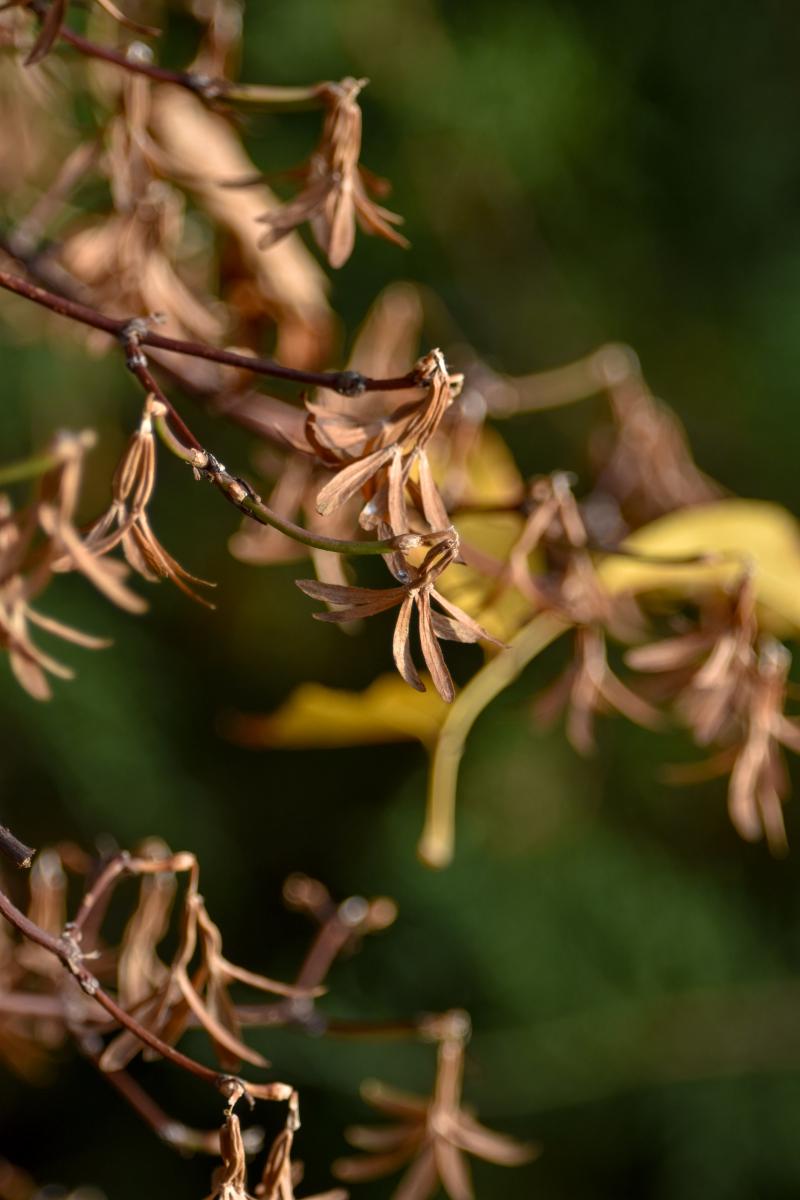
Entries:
{"x":347,"y":383}
{"x":67,"y":950}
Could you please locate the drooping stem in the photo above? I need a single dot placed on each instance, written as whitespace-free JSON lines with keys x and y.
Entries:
{"x":435,"y":846}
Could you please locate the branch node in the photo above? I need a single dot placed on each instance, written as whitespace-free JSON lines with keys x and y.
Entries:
{"x":73,"y":958}
{"x":350,"y":383}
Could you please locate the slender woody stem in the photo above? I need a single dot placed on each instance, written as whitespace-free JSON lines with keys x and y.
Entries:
{"x":66,"y":950}
{"x":15,"y":850}
{"x":263,"y":97}
{"x":347,"y":383}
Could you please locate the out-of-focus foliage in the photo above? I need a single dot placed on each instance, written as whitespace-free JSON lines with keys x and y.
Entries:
{"x":570,"y":173}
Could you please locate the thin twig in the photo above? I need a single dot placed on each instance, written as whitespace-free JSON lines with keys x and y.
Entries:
{"x":66,"y":949}
{"x":15,"y":850}
{"x":265,"y":97}
{"x":347,"y":383}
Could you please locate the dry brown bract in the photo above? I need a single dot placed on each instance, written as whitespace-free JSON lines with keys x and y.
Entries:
{"x":230,"y":1179}
{"x":27,"y":564}
{"x":588,"y":686}
{"x":335,"y":197}
{"x":379,"y":454}
{"x":734,"y":698}
{"x":416,"y":590}
{"x":126,"y":522}
{"x":759,"y":783}
{"x":433,"y":1134}
{"x":280,"y":1174}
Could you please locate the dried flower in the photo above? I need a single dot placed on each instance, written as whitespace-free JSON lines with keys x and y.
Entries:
{"x":126,"y":522}
{"x":644,"y":466}
{"x":433,"y":1134}
{"x":416,"y":590}
{"x":335,"y":196}
{"x":230,"y":1180}
{"x":711,"y":665}
{"x":379,"y":455}
{"x":280,"y":1174}
{"x":588,"y":687}
{"x":759,"y":782}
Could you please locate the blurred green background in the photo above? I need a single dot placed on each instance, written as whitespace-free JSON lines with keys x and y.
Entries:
{"x":570,"y":173}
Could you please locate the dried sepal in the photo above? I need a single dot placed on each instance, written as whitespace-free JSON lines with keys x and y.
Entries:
{"x":377,"y":455}
{"x":415,"y":592}
{"x":335,"y":197}
{"x":126,"y":522}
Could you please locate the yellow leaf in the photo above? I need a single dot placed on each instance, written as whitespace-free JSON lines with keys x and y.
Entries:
{"x":738,"y":531}
{"x":314,"y":715}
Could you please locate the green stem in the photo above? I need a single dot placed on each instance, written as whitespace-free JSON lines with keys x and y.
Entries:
{"x":435,"y":846}
{"x":253,"y":506}
{"x":39,"y":464}
{"x":268,"y":98}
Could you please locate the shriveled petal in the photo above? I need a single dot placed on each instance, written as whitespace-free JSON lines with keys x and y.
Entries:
{"x":350,"y":480}
{"x":421,"y":1180}
{"x":394,"y":1103}
{"x":380,"y":1138}
{"x":29,"y":675}
{"x":265,"y":984}
{"x":96,"y":570}
{"x":629,"y":704}
{"x":453,"y":1170}
{"x":432,"y":504}
{"x":668,"y":654}
{"x":335,"y":231}
{"x":356,"y":612}
{"x":361,"y":1169}
{"x":401,"y":646}
{"x":398,"y":516}
{"x":67,"y":632}
{"x":469,"y":623}
{"x":51,"y":28}
{"x":216,"y":1031}
{"x":163,"y":562}
{"x":484,"y":1143}
{"x":432,"y":651}
{"x":336,"y":593}
{"x":281,"y":221}
{"x":373,"y":218}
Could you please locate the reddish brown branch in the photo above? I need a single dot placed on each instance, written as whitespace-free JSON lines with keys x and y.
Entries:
{"x":201,"y":85}
{"x":348,"y":383}
{"x":15,"y":850}
{"x":66,"y":949}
